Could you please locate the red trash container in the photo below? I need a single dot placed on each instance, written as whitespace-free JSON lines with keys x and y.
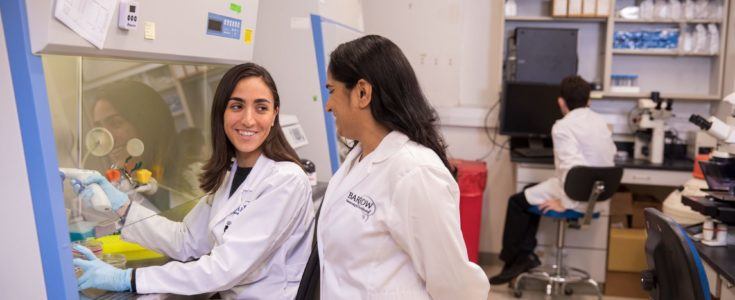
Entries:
{"x":472,"y":177}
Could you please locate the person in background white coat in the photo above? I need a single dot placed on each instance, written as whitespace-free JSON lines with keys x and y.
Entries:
{"x":249,"y":237}
{"x":388,"y":227}
{"x":581,"y":138}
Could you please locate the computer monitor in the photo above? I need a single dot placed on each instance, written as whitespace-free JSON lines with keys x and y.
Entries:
{"x":529,"y":109}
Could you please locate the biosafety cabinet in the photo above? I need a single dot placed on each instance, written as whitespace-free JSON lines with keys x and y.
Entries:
{"x":128,"y":85}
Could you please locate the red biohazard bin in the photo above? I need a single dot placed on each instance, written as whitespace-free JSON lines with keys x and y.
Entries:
{"x":472,"y":177}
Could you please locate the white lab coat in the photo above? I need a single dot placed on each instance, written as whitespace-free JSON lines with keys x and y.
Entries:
{"x":581,"y":138}
{"x":261,"y":255}
{"x":389,"y":229}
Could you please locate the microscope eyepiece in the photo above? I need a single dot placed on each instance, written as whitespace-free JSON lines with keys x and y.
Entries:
{"x":700,"y":121}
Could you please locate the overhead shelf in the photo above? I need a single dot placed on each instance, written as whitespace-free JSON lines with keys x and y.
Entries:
{"x":693,"y":21}
{"x":555,"y":19}
{"x":657,"y":52}
{"x":675,"y":96}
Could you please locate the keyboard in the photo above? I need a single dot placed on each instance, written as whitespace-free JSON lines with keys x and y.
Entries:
{"x":535,"y":152}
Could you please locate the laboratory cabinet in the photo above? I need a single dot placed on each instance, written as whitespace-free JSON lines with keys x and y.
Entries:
{"x":610,"y":47}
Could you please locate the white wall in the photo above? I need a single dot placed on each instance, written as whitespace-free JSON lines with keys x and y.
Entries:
{"x":456,"y":55}
{"x":347,"y":12}
{"x":22,"y":274}
{"x":428,"y":32}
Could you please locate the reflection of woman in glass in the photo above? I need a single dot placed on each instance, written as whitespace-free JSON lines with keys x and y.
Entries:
{"x":189,"y":153}
{"x":249,"y":237}
{"x":130,"y":109}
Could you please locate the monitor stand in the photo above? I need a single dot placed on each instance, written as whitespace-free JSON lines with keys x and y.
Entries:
{"x":535,"y":149}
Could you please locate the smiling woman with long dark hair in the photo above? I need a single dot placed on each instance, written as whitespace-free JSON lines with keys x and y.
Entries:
{"x":249,"y":237}
{"x":389,"y":223}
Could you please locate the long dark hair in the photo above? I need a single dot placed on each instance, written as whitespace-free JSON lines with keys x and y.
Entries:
{"x":397,"y":100}
{"x":275,"y":146}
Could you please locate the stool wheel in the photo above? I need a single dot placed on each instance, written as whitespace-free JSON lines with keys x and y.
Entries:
{"x":517,"y":294}
{"x":568,"y":291}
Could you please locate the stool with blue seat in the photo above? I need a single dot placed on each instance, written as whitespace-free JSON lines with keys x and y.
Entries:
{"x":584,"y":184}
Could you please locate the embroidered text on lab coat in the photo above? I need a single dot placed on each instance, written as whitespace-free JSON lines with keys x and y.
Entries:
{"x":365,"y":204}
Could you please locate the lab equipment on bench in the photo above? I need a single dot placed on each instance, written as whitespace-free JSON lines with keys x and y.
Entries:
{"x":648,"y":120}
{"x":714,"y":232}
{"x":719,"y":170}
{"x":722,"y":131}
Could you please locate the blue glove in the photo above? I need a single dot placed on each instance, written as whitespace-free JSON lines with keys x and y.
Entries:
{"x":99,"y":274}
{"x":116,"y":197}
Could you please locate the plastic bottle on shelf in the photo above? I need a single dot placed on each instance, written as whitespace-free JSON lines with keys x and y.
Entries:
{"x":661,"y":10}
{"x":701,"y":9}
{"x":646,"y":9}
{"x":700,"y":39}
{"x":511,"y":9}
{"x":715,"y":10}
{"x":688,"y":9}
{"x":687,"y":41}
{"x":675,"y":10}
{"x":714,"y":38}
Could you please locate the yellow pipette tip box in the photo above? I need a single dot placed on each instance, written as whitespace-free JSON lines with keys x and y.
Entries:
{"x":132,"y":251}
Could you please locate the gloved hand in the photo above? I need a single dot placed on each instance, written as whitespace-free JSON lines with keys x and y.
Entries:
{"x":148,"y":189}
{"x":116,"y":197}
{"x":99,"y":274}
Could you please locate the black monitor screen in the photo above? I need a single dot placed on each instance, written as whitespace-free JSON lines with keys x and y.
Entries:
{"x":214,"y":25}
{"x":529,"y":109}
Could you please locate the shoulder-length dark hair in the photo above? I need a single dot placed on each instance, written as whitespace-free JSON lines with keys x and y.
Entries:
{"x":397,"y":100}
{"x":275,"y":146}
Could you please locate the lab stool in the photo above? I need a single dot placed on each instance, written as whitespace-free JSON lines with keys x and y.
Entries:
{"x":584,"y":184}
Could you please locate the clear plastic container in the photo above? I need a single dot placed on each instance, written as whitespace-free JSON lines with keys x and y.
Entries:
{"x":94,"y":245}
{"x":624,"y":83}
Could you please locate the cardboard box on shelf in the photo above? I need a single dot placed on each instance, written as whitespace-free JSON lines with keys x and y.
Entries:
{"x":624,"y":284}
{"x":559,"y":8}
{"x":603,"y":8}
{"x":639,"y":221}
{"x":619,"y":221}
{"x":574,"y":8}
{"x":627,"y":251}
{"x":622,"y":204}
{"x":589,"y":8}
{"x":621,"y":210}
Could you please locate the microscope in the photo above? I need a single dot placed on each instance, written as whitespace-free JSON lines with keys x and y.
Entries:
{"x":719,"y":170}
{"x":724,"y":132}
{"x":650,"y":130}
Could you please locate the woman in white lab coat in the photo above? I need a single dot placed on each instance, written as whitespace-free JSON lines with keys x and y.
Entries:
{"x":249,"y":237}
{"x":389,"y":224}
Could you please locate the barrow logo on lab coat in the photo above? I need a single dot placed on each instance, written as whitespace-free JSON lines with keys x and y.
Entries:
{"x":363,"y":203}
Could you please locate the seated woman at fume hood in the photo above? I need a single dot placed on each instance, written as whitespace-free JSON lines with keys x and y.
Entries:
{"x":248,"y":237}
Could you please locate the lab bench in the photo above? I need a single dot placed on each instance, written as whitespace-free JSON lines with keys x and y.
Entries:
{"x":719,"y":262}
{"x":587,"y":248}
{"x":317,"y":194}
